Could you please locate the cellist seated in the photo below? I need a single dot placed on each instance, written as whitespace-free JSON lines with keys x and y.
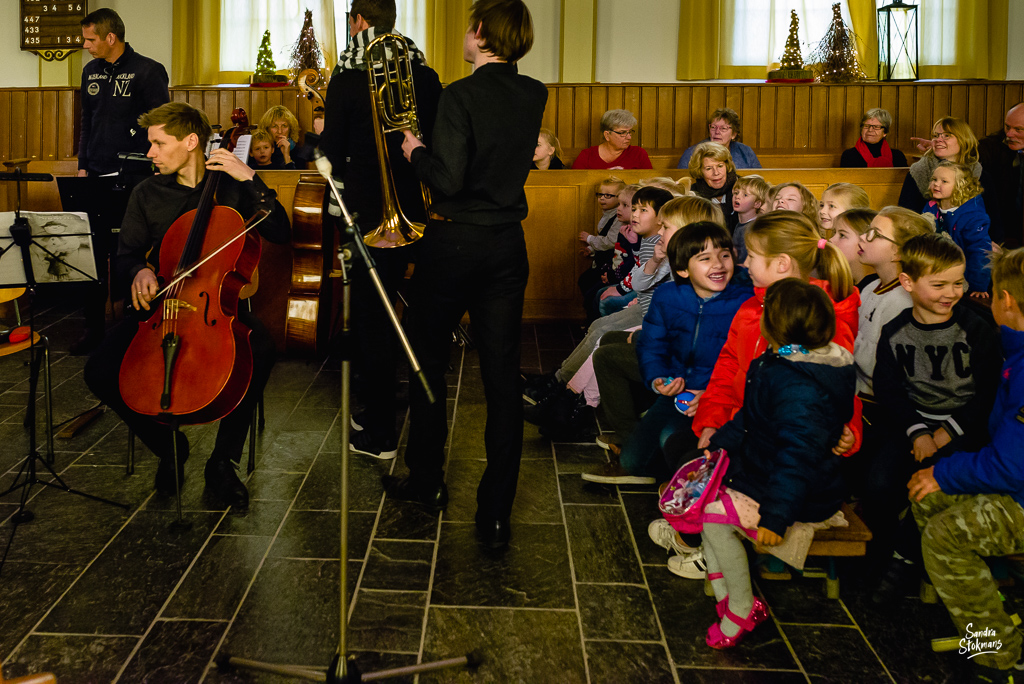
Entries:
{"x":178,"y":134}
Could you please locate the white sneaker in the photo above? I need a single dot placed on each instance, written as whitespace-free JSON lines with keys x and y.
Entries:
{"x":689,"y":565}
{"x":665,"y":536}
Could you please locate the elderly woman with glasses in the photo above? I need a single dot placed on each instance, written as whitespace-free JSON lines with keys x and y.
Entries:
{"x":724,"y":129}
{"x":617,"y":151}
{"x":871,"y":149}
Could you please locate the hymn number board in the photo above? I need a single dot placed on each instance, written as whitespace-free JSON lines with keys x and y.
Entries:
{"x":52,"y":29}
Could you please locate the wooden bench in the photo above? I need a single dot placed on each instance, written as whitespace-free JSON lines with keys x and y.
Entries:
{"x":832,"y":543}
{"x":770,"y":158}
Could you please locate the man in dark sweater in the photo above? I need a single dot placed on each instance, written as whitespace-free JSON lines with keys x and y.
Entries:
{"x":935,"y":378}
{"x":118,"y":86}
{"x":178,"y":133}
{"x":473,"y":257}
{"x":349,"y":143}
{"x":1002,"y":161}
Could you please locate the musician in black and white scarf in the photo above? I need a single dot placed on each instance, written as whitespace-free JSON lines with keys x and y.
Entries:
{"x":348,"y":142}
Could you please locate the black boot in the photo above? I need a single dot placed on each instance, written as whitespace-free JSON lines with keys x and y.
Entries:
{"x":223,"y":481}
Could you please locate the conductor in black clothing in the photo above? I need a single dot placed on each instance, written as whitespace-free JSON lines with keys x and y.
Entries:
{"x":178,"y":133}
{"x":348,"y":141}
{"x":473,"y":257}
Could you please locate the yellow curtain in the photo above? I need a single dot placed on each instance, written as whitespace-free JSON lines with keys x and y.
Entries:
{"x":865,"y":24}
{"x":447,"y":21}
{"x":195,"y":57}
{"x":699,"y":40}
{"x":980,"y":42}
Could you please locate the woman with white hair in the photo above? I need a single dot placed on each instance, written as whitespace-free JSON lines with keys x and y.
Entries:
{"x":871,"y":149}
{"x":617,"y":151}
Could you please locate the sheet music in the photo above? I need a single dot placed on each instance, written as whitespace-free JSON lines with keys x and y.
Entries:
{"x":61,"y":249}
{"x":242,"y":147}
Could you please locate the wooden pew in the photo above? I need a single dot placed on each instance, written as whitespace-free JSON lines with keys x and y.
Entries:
{"x":562,"y":204}
{"x":770,"y":159}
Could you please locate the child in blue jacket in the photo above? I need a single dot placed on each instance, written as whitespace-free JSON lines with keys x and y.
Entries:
{"x":684,"y":331}
{"x":959,"y":211}
{"x":970,"y":505}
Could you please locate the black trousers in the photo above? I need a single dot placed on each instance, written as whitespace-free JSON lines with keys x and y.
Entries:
{"x":376,"y":342}
{"x":482,"y":270}
{"x":104,"y":368}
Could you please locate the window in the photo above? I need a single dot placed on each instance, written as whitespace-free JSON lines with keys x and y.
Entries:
{"x":748,"y":44}
{"x":411,"y":21}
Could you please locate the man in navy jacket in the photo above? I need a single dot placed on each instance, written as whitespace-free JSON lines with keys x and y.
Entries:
{"x":118,"y":87}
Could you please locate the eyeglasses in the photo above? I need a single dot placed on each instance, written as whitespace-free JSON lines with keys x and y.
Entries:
{"x":872,"y":233}
{"x":624,"y":134}
{"x":870,"y":127}
{"x":605,"y":195}
{"x":719,"y":129}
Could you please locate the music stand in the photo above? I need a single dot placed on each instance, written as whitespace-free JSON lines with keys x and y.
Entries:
{"x":57,"y":253}
{"x":342,"y":668}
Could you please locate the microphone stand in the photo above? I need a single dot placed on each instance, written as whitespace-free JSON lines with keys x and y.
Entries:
{"x":343,"y":669}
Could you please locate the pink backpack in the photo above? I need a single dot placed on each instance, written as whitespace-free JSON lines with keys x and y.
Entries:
{"x":693,"y":487}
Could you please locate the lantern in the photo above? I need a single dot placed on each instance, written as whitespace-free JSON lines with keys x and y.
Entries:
{"x":897,"y":42}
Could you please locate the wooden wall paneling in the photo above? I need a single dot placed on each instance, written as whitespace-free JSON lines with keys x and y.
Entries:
{"x":48,"y":144}
{"x":566,"y":119}
{"x":766,"y":119}
{"x":699,"y":109}
{"x":887,"y":98}
{"x":665,"y":121}
{"x":550,"y":118}
{"x":818,"y":120}
{"x":598,"y":101}
{"x":34,"y":123}
{"x":734,"y":98}
{"x":785,"y":117}
{"x":631,"y":99}
{"x":716,"y":99}
{"x":18,"y":129}
{"x":1013,"y":94}
{"x":648,"y":118}
{"x":976,"y":107}
{"x":6,"y":124}
{"x":211,"y":104}
{"x":906,"y":115}
{"x":67,"y":124}
{"x":941,"y":95}
{"x":801,"y":118}
{"x":257,"y":103}
{"x":957,"y":102}
{"x":748,"y":111}
{"x":195,"y":98}
{"x":994,"y":112}
{"x":871,"y":97}
{"x":681,"y":131}
{"x":225,"y":103}
{"x":851,"y":121}
{"x":923,"y":119}
{"x":833,"y":115}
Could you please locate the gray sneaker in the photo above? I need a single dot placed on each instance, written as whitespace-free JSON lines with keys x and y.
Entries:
{"x":665,"y":536}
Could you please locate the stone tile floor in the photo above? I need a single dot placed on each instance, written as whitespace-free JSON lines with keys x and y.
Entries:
{"x":97,"y":594}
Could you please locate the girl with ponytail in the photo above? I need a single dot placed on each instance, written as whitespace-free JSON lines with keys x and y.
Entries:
{"x":780,"y":244}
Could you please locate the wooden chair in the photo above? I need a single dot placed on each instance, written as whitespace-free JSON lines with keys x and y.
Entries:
{"x":39,"y":341}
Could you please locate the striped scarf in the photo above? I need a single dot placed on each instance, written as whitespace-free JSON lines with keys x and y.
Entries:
{"x":354,"y":56}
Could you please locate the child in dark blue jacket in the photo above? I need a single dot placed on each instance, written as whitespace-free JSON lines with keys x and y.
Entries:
{"x":969,"y":504}
{"x":684,"y":332}
{"x":781,"y":466}
{"x":959,"y":211}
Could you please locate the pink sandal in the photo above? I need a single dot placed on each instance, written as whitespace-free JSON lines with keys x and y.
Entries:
{"x":758,"y":614}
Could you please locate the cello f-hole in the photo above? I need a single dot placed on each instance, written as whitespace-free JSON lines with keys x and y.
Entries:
{"x":206,"y":309}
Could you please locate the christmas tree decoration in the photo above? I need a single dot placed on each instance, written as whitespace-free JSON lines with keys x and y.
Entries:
{"x":306,"y":53}
{"x":791,"y":66}
{"x":265,"y":73}
{"x":835,"y":58}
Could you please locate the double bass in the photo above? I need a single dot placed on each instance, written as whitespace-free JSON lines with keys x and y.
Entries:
{"x":190,"y":361}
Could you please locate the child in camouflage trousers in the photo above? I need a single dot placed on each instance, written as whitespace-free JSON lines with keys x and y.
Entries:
{"x":969,"y":505}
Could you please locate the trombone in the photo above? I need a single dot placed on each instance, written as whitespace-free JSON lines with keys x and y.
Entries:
{"x":393,"y":102}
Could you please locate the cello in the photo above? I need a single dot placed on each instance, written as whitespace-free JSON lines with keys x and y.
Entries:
{"x":190,"y":361}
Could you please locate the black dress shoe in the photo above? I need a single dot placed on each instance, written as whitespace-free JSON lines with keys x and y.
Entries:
{"x":433,"y":498}
{"x":493,"y":533}
{"x":223,"y":481}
